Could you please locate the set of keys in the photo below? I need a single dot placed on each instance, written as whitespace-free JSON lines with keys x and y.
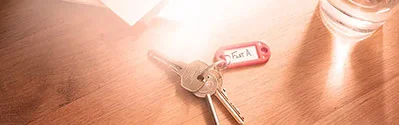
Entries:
{"x":205,"y":80}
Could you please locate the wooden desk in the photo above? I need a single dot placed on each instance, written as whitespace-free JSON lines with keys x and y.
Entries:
{"x":64,"y":63}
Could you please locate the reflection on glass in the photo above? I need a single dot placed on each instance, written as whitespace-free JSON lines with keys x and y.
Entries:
{"x":355,"y":20}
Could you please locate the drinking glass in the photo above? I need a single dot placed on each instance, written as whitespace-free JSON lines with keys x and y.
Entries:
{"x":355,"y":20}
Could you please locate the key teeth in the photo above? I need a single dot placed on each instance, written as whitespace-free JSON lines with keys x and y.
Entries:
{"x":224,"y":93}
{"x":231,"y":105}
{"x":235,"y":108}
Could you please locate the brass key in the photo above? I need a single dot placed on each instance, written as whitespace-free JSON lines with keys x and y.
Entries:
{"x":192,"y":79}
{"x":233,"y":110}
{"x":216,"y":77}
{"x":190,"y":74}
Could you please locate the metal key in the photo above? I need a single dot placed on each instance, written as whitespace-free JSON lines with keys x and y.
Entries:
{"x":190,"y":74}
{"x":234,"y":111}
{"x":192,"y":78}
{"x":220,"y":93}
{"x":211,"y":84}
{"x":213,"y":81}
{"x":222,"y":96}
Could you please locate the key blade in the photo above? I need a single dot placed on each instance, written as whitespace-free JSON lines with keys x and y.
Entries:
{"x":212,"y":108}
{"x":164,"y":60}
{"x":224,"y":94}
{"x":229,"y":106}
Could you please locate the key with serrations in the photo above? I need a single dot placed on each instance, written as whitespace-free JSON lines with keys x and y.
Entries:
{"x":192,"y":79}
{"x":190,"y":74}
{"x":211,"y":81}
{"x":233,"y":110}
{"x":213,"y":86}
{"x":220,"y":93}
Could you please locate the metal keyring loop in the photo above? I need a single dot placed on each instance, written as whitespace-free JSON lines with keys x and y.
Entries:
{"x":225,"y":61}
{"x":225,"y":58}
{"x":220,"y":65}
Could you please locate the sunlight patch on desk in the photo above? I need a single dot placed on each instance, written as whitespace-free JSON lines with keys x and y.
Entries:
{"x":338,"y":70}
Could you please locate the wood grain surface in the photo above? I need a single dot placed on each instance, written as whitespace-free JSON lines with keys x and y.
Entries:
{"x":65,"y":63}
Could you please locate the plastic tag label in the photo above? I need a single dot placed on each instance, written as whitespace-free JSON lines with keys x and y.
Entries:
{"x":245,"y":54}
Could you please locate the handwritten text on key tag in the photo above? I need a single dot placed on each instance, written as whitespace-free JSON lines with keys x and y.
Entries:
{"x":244,"y":54}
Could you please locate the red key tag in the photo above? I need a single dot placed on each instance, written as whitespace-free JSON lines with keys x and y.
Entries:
{"x":245,"y":54}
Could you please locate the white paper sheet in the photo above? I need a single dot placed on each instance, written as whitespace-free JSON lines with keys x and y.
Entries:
{"x":131,"y":11}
